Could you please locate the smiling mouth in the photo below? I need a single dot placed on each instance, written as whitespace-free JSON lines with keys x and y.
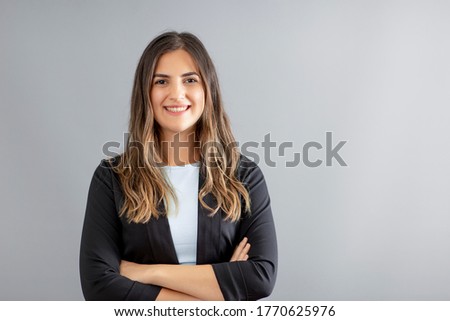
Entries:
{"x":177,"y":109}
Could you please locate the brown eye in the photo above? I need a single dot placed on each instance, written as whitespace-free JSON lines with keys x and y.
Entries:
{"x":191,"y":80}
{"x":160,"y":82}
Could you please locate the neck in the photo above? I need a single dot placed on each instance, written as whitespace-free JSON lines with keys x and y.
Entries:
{"x":179,"y":149}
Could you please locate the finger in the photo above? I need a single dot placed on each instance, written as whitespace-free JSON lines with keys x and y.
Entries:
{"x":244,"y":252}
{"x":246,"y":248}
{"x":243,"y":258}
{"x":239,"y":249}
{"x":234,"y":257}
{"x":242,"y":244}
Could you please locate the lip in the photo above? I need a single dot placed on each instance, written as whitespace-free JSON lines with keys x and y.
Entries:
{"x":174,"y":112}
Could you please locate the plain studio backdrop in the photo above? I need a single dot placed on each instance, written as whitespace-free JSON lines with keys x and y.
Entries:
{"x":376,"y":74}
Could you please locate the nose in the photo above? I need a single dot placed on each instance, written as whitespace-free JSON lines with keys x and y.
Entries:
{"x":177,"y":91}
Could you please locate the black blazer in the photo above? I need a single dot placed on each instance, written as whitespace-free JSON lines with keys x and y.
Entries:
{"x":107,"y":239}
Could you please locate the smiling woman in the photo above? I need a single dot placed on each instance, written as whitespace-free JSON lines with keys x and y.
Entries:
{"x":199,"y":227}
{"x":177,"y":94}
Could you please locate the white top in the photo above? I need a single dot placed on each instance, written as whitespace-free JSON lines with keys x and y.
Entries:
{"x":183,"y":224}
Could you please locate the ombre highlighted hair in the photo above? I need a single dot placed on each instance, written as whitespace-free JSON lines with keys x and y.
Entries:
{"x":146,"y":190}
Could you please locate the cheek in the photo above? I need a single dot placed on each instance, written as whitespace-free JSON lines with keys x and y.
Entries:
{"x":199,"y":96}
{"x":156,"y":97}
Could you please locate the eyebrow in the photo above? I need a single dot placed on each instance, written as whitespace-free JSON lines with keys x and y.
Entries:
{"x":187,"y":74}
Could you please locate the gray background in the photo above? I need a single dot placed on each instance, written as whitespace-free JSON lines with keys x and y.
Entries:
{"x":375,"y":73}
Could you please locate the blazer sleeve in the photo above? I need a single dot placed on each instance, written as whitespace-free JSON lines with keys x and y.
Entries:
{"x":255,"y":278}
{"x":100,"y":250}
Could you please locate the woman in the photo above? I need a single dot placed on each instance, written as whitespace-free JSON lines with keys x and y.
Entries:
{"x":173,"y":217}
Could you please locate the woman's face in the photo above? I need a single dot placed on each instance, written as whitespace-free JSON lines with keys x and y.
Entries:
{"x":177,"y":94}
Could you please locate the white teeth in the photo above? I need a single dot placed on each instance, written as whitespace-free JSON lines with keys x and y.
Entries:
{"x":177,"y":109}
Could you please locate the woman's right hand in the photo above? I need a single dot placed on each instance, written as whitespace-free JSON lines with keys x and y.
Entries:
{"x":241,"y":251}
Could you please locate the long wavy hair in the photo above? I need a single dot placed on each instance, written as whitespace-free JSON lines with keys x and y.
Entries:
{"x":146,"y":191}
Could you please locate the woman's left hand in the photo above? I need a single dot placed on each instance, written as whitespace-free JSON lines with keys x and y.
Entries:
{"x":241,"y":251}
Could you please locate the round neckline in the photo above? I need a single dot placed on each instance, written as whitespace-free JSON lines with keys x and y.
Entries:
{"x":190,"y":165}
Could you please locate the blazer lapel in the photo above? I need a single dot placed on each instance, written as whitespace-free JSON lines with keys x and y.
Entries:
{"x":161,"y":242}
{"x":208,"y":231}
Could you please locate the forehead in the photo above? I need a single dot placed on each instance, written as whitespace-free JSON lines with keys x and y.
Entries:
{"x":176,"y":62}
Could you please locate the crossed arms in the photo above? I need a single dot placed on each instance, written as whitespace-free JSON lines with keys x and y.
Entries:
{"x":177,"y":280}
